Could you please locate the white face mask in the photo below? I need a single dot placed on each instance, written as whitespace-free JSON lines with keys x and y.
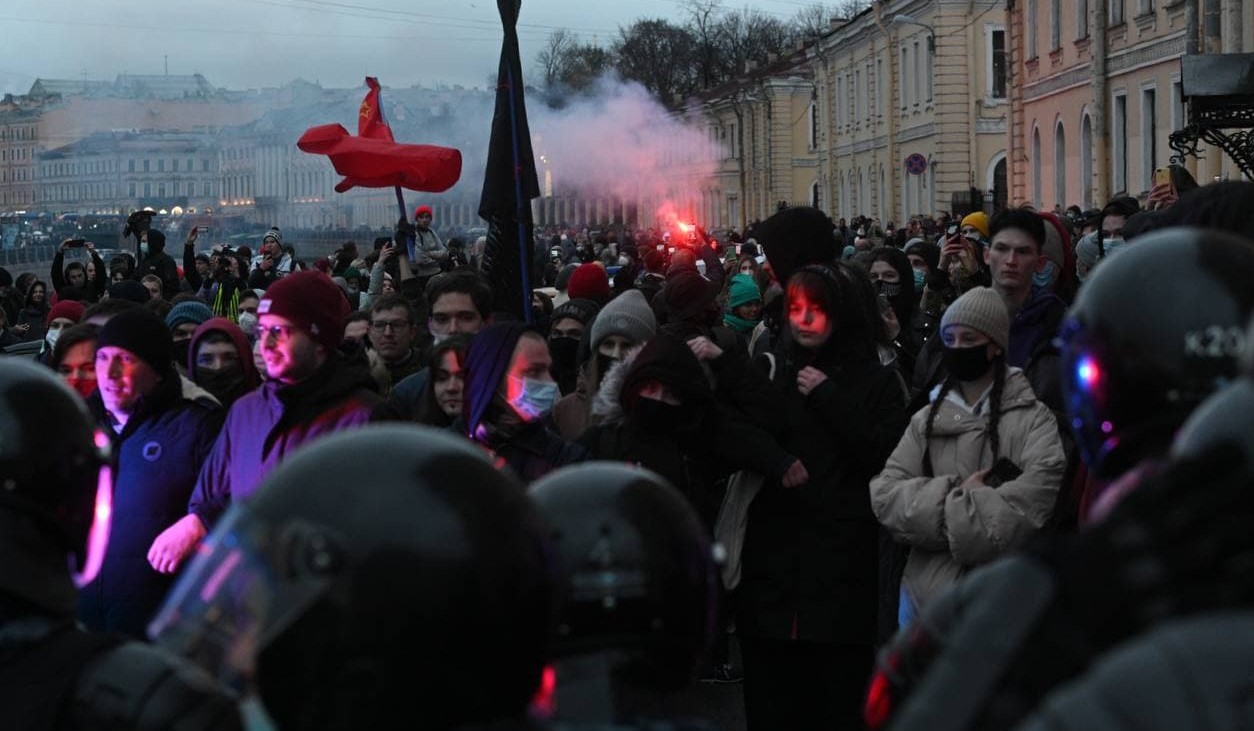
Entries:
{"x":51,"y":337}
{"x":248,"y":323}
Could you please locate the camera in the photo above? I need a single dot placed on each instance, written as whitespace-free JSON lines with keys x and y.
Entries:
{"x":76,"y":243}
{"x":138,"y":222}
{"x":952,"y":230}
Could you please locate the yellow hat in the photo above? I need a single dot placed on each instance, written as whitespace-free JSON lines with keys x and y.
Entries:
{"x":978,"y":220}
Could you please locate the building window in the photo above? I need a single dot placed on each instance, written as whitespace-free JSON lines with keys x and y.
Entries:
{"x":1145,"y":7}
{"x":161,"y":165}
{"x":1086,"y":161}
{"x":1037,"y":195}
{"x":204,"y":165}
{"x":145,"y":166}
{"x":1149,"y":137}
{"x":1060,"y":166}
{"x":1177,"y":105}
{"x":997,"y":54}
{"x":1119,"y":150}
{"x":918,"y":73}
{"x":1116,"y":12}
{"x":1055,"y":25}
{"x":814,"y":195}
{"x":147,"y":190}
{"x":1081,"y":19}
{"x":1029,"y":21}
{"x":905,"y":78}
{"x":879,"y":87}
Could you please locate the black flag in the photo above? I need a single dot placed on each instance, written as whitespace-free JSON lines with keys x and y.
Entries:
{"x":510,"y":182}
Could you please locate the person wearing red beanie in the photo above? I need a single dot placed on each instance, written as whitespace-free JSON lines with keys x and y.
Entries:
{"x":62,"y":315}
{"x":311,"y":392}
{"x":589,"y":282}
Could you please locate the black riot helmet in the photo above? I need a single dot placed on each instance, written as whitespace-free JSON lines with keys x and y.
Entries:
{"x":638,"y":569}
{"x":425,"y":591}
{"x":55,"y":489}
{"x":1151,"y":335}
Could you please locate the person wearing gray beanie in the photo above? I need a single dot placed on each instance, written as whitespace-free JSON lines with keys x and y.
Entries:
{"x":980,"y":309}
{"x":625,"y":322}
{"x":182,"y":321}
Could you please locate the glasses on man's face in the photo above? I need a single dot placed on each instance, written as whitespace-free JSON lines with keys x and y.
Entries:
{"x":279,"y":333}
{"x":380,"y":326}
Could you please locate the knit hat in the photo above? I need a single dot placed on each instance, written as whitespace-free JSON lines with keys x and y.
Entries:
{"x":628,"y":315}
{"x":421,"y":210}
{"x":795,"y":237}
{"x":140,"y":331}
{"x":585,"y":311}
{"x":591,"y":282}
{"x":273,"y":233}
{"x":979,"y":220}
{"x":69,"y":309}
{"x":129,"y":289}
{"x":352,"y":273}
{"x":743,"y":290}
{"x":982,"y":309}
{"x":930,"y":253}
{"x":187,"y":312}
{"x":312,"y":302}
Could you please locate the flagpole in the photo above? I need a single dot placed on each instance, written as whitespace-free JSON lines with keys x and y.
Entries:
{"x":524,"y":264}
{"x":400,"y":197}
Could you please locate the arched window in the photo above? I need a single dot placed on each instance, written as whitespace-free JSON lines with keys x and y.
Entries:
{"x":1086,"y":160}
{"x":1037,"y":195}
{"x":1060,"y":166}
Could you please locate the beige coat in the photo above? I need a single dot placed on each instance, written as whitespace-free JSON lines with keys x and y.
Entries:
{"x":950,"y":529}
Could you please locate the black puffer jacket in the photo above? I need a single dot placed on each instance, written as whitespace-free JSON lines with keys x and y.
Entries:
{"x":694,"y":445}
{"x":809,"y":566}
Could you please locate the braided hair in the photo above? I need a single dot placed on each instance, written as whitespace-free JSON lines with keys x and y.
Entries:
{"x":998,"y":365}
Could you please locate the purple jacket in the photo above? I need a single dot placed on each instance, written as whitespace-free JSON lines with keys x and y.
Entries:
{"x":265,"y":426}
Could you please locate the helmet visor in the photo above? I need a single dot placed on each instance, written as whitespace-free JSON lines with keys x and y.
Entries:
{"x":238,"y":594}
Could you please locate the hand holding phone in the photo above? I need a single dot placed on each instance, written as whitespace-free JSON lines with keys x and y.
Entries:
{"x":1003,"y":471}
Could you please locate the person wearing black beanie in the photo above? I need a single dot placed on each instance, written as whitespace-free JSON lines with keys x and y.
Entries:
{"x":161,"y":439}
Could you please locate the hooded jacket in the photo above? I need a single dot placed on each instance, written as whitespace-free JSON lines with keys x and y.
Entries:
{"x":266,"y":425}
{"x":707,"y":439}
{"x":159,"y":456}
{"x":250,"y":377}
{"x":949,"y":529}
{"x":159,"y":263}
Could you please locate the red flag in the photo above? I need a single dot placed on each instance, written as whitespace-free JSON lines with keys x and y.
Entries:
{"x":375,"y":163}
{"x":370,"y":122}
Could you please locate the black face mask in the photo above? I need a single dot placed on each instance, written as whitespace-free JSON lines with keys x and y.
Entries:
{"x":657,"y":415}
{"x":966,"y":364}
{"x":888,"y":289}
{"x":180,"y":351}
{"x":564,"y":352}
{"x":226,"y":384}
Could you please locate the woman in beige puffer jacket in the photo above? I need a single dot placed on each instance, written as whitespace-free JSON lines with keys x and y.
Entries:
{"x":935,"y":494}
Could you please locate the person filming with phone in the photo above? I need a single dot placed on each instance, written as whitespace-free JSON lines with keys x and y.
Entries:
{"x":978,"y":471}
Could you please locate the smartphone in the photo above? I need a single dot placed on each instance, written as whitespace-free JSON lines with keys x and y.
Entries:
{"x":1003,"y":471}
{"x":76,"y":243}
{"x":1162,"y":176}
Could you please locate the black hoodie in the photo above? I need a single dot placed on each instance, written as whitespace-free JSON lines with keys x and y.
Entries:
{"x":159,"y":263}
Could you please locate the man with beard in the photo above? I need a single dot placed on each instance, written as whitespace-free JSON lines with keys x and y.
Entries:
{"x":311,"y":392}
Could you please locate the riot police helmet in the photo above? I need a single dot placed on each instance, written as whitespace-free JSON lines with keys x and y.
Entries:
{"x":418,"y":588}
{"x":55,"y":488}
{"x":1150,"y":336}
{"x":638,"y":572}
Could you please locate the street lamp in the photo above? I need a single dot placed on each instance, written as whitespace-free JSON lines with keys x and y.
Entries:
{"x":903,"y":19}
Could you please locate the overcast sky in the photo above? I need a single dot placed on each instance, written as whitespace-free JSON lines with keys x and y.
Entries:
{"x":243,"y":44}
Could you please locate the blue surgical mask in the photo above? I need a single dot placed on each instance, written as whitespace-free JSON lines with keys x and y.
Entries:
{"x":1044,"y":277}
{"x":920,"y":278}
{"x":533,"y":398}
{"x":143,"y":249}
{"x":1113,"y":245}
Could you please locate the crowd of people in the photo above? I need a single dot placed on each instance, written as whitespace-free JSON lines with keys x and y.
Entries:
{"x":909,"y":405}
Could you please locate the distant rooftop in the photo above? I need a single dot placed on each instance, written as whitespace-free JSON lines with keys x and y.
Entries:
{"x":130,"y":86}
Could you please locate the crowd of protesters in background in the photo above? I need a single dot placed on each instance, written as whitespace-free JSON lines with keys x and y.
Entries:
{"x":895,"y":387}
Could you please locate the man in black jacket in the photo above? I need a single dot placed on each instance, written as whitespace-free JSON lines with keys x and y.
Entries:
{"x":161,"y":439}
{"x":153,"y":260}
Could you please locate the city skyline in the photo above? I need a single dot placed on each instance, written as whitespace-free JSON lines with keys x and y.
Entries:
{"x":248,"y":44}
